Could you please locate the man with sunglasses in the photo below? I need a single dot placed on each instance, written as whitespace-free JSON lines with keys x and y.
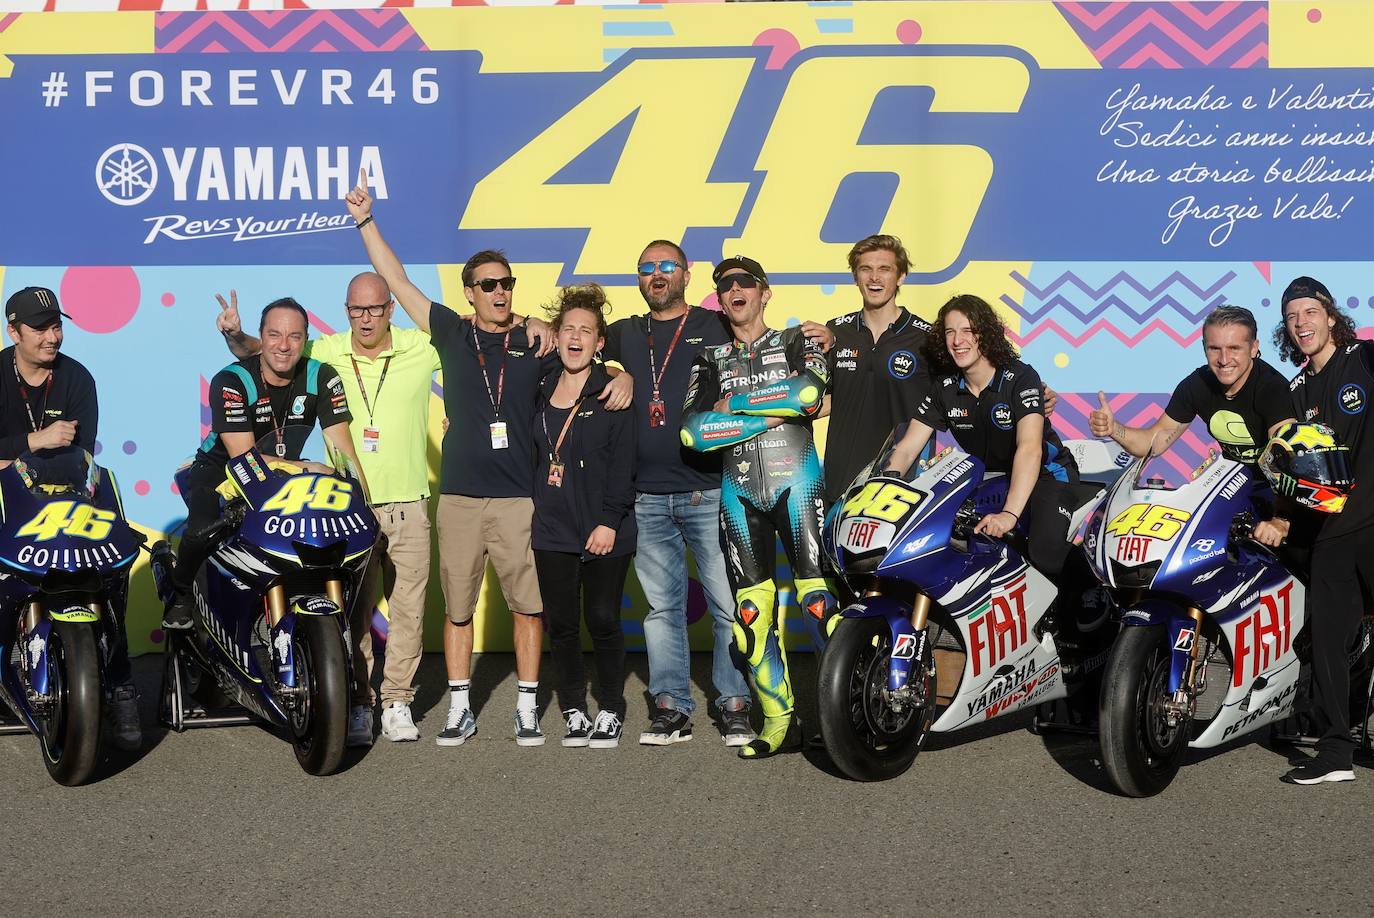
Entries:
{"x":486,"y":478}
{"x":677,"y":501}
{"x":386,"y":373}
{"x":757,"y":397}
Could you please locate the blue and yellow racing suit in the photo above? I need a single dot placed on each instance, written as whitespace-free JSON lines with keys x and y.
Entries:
{"x":771,"y":487}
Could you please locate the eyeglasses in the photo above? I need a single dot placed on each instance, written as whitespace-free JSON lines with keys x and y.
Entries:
{"x":491,"y":283}
{"x":667,"y":266}
{"x":356,"y":312}
{"x":745,"y":281}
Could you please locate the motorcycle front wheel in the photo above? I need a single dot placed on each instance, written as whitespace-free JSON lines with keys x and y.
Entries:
{"x":866,"y":738}
{"x":320,"y":720}
{"x":1141,"y":752}
{"x":69,"y":732}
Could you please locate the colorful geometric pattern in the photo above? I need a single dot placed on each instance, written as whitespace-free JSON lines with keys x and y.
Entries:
{"x":1172,"y":35}
{"x":1069,"y":296}
{"x":321,"y":30}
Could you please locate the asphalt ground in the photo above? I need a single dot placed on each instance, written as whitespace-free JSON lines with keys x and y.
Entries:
{"x":993,"y":821}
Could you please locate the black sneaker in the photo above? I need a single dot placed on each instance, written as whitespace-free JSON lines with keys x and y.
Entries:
{"x":667,"y":727}
{"x":177,"y":615}
{"x":1319,"y":771}
{"x":126,"y":728}
{"x":606,"y":733}
{"x":735,"y":728}
{"x":579,"y":728}
{"x":527,"y":732}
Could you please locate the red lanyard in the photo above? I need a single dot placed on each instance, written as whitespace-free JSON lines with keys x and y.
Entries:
{"x":657,"y":375}
{"x":42,"y":420}
{"x":500,"y":377}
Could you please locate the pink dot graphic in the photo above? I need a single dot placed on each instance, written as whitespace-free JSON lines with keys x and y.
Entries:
{"x":908,"y":31}
{"x":100,"y":300}
{"x":783,"y":43}
{"x":168,"y":299}
{"x":141,"y":488}
{"x":712,"y":302}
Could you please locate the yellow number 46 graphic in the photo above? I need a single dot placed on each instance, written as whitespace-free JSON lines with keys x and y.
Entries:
{"x":1149,"y":521}
{"x":68,"y":517}
{"x":316,"y":493}
{"x":882,"y":500}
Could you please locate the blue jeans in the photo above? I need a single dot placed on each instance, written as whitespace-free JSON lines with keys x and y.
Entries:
{"x":668,"y":524}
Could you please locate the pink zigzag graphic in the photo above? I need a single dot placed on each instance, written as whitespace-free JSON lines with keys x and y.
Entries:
{"x":327,"y":20}
{"x":1103,"y":325}
{"x":7,"y":20}
{"x":1152,"y":17}
{"x":1094,"y":21}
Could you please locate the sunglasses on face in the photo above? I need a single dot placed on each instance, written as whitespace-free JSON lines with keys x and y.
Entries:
{"x":356,"y":312}
{"x":491,"y":283}
{"x":745,"y":281}
{"x":667,"y":266}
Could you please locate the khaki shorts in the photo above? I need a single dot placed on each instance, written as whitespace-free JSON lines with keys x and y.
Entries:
{"x":473,"y":529}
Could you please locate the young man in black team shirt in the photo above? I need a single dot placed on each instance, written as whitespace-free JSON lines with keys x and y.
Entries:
{"x":48,"y":401}
{"x":1242,"y":399}
{"x":878,"y":374}
{"x":1333,"y":388}
{"x":486,"y":475}
{"x":274,"y":392}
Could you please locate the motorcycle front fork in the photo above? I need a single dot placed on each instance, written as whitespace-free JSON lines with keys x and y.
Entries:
{"x":1182,"y":705}
{"x":913,"y":691}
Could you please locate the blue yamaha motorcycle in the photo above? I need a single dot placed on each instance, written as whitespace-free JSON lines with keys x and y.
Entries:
{"x":65,"y":555}
{"x":272,"y":605}
{"x":950,"y":628}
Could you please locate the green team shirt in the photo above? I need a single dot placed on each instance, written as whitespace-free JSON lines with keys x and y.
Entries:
{"x":398,"y":470}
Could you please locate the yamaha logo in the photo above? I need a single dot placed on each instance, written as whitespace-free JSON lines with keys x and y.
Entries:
{"x":1352,"y":399}
{"x":126,"y":174}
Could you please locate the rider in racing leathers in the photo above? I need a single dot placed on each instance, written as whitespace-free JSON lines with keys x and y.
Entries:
{"x":757,"y":396}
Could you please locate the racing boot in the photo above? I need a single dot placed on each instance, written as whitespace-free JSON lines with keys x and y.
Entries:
{"x":125,"y":727}
{"x":779,"y":734}
{"x":177,"y":614}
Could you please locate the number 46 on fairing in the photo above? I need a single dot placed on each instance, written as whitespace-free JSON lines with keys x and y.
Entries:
{"x":70,"y":518}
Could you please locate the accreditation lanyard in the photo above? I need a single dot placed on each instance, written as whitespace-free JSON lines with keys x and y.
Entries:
{"x":278,"y":425}
{"x":555,"y":460}
{"x":658,"y":413}
{"x":38,"y":423}
{"x":499,"y":438}
{"x":371,"y":435}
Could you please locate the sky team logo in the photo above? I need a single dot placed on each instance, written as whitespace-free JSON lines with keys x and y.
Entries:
{"x":1001,"y":415}
{"x":1352,"y":399}
{"x":902,"y":364}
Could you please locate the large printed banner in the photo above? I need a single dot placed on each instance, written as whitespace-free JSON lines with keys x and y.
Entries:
{"x":1106,"y":172}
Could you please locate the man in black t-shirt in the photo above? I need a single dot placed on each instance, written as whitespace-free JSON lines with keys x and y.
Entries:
{"x":486,"y":477}
{"x":47,"y":402}
{"x":1242,"y":398}
{"x":1333,"y":388}
{"x":270,"y":398}
{"x":878,"y":372}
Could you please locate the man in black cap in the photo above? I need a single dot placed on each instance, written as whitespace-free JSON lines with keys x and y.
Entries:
{"x":47,"y":401}
{"x":754,"y":399}
{"x":1333,"y":388}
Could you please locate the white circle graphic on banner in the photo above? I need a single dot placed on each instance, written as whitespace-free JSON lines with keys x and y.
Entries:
{"x":126,"y":174}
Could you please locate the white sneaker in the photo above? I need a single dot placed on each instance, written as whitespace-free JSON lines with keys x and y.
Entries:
{"x":397,"y":724}
{"x":359,"y":726}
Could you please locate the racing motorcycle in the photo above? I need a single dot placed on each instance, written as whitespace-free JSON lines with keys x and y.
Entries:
{"x":950,"y":628}
{"x":65,"y":555}
{"x":271,"y":604}
{"x":1212,"y":635}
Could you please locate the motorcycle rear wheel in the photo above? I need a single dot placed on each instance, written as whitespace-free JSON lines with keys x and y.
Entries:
{"x":70,"y":733}
{"x":1141,"y":752}
{"x":318,"y":726}
{"x":865,"y":737}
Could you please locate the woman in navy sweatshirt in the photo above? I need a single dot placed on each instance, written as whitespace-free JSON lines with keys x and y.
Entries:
{"x":584,"y":524}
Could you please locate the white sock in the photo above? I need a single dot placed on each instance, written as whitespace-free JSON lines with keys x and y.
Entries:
{"x":458,"y":693}
{"x":526,"y":693}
